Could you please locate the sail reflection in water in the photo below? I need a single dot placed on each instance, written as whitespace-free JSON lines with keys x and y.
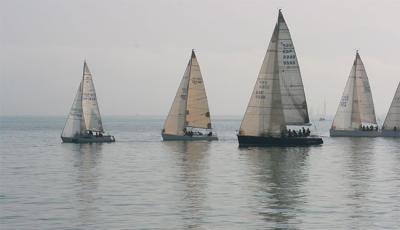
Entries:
{"x":191,"y":159}
{"x":278,"y":189}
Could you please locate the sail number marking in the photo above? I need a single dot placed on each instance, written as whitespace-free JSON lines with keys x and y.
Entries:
{"x":343,"y":102}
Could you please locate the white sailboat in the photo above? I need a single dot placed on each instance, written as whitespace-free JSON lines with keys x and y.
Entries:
{"x":355,"y":116}
{"x":278,"y":97}
{"x":323,"y":117}
{"x":84,"y":124}
{"x":391,"y":125}
{"x":189,"y":116}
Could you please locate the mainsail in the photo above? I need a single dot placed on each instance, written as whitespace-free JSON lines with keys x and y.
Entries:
{"x":356,"y":106}
{"x":75,"y":122}
{"x":190,"y":106}
{"x":393,"y":117}
{"x":292,"y":89}
{"x":91,"y":112}
{"x":197,"y":114}
{"x":278,"y":97}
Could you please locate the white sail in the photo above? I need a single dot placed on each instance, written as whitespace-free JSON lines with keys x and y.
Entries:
{"x":91,"y":112}
{"x":176,"y":119}
{"x":75,"y":122}
{"x":292,"y":89}
{"x":264,"y":114}
{"x":197,"y":111}
{"x":356,"y":106}
{"x":393,"y":117}
{"x":364,"y":94}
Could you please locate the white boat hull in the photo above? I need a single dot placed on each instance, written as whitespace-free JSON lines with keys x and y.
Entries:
{"x":170,"y":137}
{"x":353,"y":133}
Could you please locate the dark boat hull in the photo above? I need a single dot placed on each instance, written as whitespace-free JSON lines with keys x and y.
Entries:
{"x":390,"y":133}
{"x":170,"y":137}
{"x":256,"y":141}
{"x":353,"y":133}
{"x":88,"y":139}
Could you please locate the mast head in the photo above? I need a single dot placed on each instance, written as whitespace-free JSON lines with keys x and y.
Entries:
{"x":85,"y":68}
{"x":280,"y":16}
{"x":193,"y":54}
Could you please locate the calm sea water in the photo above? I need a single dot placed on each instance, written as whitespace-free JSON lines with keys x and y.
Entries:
{"x":140,"y":182}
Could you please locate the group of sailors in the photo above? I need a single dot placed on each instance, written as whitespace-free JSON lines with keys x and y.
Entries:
{"x":97,"y":134}
{"x":368,"y":128}
{"x":300,"y":133}
{"x":190,"y":133}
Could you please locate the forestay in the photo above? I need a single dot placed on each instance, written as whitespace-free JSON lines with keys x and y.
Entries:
{"x":292,"y":89}
{"x":91,"y":112}
{"x":75,"y":122}
{"x":356,"y":106}
{"x":264,"y":114}
{"x":393,"y":117}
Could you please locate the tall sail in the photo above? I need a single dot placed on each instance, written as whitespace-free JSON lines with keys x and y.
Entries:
{"x":75,"y":122}
{"x":356,"y":105}
{"x":197,"y":111}
{"x":393,"y":117}
{"x":176,"y":119}
{"x":91,"y":112}
{"x":264,"y":114}
{"x":292,"y":89}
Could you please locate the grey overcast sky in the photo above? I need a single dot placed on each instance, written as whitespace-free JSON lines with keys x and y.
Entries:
{"x":138,"y":50}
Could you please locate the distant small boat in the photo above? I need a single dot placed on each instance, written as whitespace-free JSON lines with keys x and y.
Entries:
{"x":189,"y":116}
{"x":323,"y":117}
{"x":278,"y":98}
{"x":84,"y":124}
{"x":391,"y":125}
{"x":355,"y":116}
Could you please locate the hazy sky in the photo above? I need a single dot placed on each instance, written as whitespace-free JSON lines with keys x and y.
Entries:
{"x":138,"y":50}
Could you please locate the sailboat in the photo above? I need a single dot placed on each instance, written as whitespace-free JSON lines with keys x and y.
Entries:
{"x":323,"y":117}
{"x":278,"y":98}
{"x":189,"y":116}
{"x":355,"y":116}
{"x":84,"y":124}
{"x":391,"y":125}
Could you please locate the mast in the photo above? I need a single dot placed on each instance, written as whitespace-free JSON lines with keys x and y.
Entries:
{"x":187,"y":89}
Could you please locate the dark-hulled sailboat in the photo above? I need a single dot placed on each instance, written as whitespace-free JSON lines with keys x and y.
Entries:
{"x":189,"y":116}
{"x":355,"y":116}
{"x":278,"y":98}
{"x":391,"y":125}
{"x":84,"y":124}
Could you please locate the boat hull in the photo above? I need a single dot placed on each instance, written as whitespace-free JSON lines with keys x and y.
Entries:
{"x":170,"y":137}
{"x":256,"y":141}
{"x":88,"y":139}
{"x":353,"y":133}
{"x":390,"y":133}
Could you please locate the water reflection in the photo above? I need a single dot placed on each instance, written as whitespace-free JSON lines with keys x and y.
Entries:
{"x":280,"y":177}
{"x":358,"y":173}
{"x":86,"y":160}
{"x":192,"y":161}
